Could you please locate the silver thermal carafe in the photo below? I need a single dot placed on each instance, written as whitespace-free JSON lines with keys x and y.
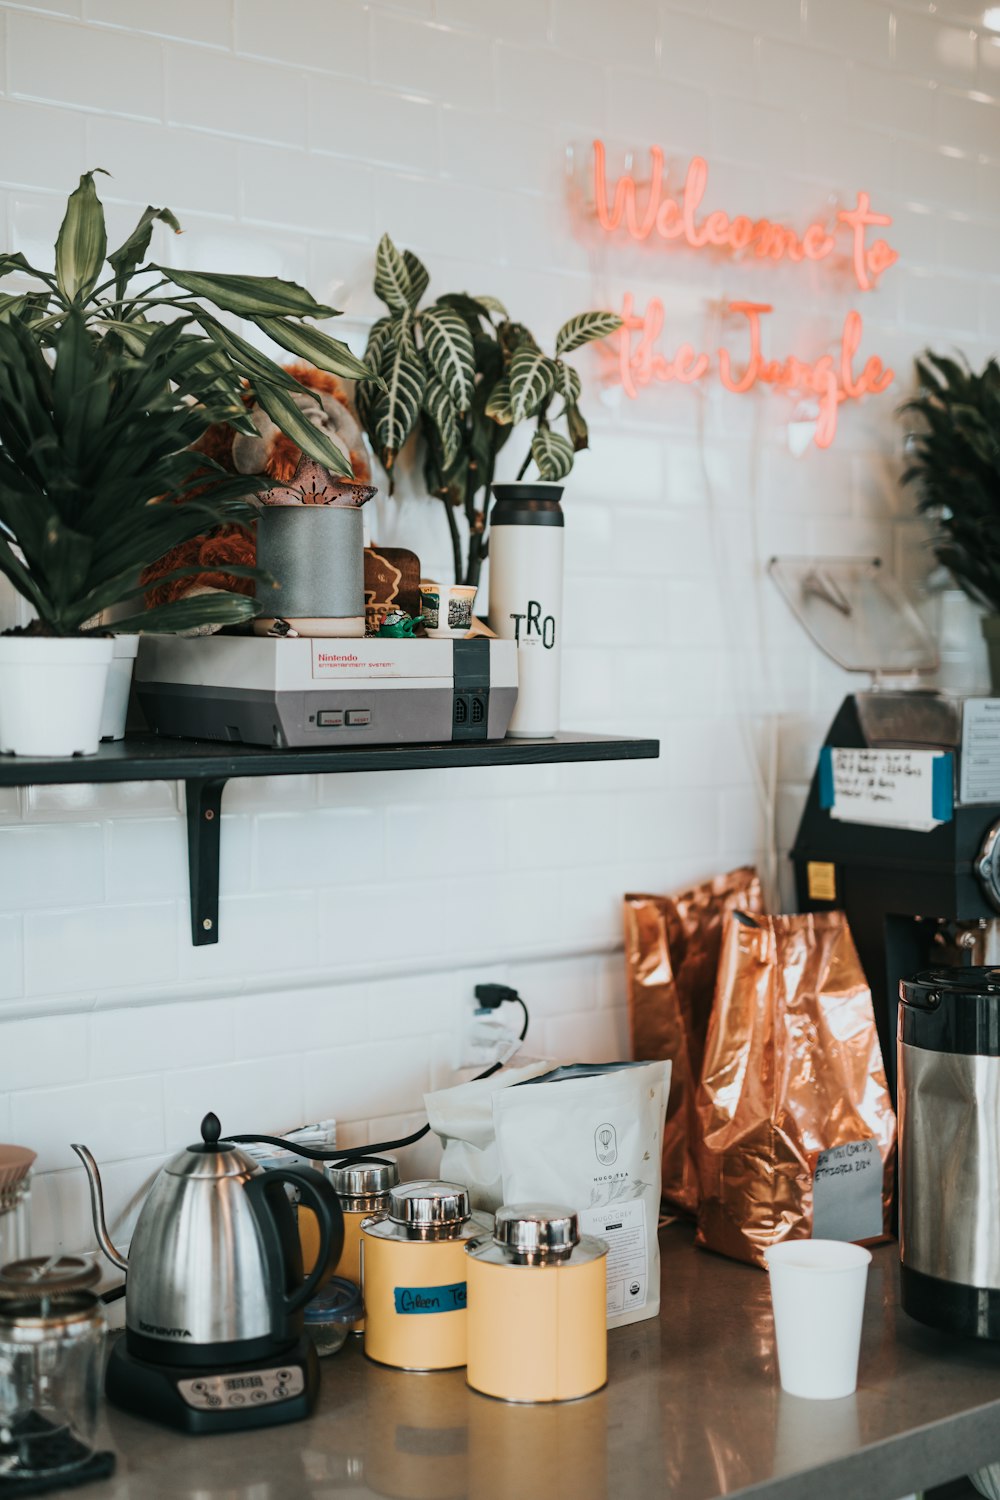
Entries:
{"x":949,"y":1149}
{"x":215,"y":1290}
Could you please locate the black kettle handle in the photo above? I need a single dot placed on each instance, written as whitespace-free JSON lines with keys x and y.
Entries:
{"x":318,"y":1194}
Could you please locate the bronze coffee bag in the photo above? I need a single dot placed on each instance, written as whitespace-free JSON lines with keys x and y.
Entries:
{"x":797,"y":1133}
{"x":671,"y":956}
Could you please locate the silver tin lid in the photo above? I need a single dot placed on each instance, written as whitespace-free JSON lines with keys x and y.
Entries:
{"x":428,"y":1204}
{"x":536,"y":1231}
{"x":365,"y":1179}
{"x":427,"y":1210}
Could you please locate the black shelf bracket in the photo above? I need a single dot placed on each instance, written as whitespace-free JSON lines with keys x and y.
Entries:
{"x":203,"y":798}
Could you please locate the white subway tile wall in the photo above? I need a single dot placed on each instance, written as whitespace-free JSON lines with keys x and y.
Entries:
{"x":358,"y":912}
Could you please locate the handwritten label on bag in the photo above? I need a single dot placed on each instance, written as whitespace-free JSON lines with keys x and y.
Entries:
{"x":847,"y":1192}
{"x":890,"y":788}
{"x":412,"y":1300}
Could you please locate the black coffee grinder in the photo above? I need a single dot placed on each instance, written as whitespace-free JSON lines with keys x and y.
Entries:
{"x":915,"y":896}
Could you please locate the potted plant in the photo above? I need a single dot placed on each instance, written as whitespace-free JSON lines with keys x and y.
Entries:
{"x":100,"y":404}
{"x":955,"y":464}
{"x":461,"y":373}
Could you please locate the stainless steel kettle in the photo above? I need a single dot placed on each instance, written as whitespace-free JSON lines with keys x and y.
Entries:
{"x":215,"y":1266}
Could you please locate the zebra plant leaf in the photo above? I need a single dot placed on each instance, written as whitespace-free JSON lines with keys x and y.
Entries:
{"x":441,"y":409}
{"x":584,"y":328}
{"x":418,"y":274}
{"x":567,"y":382}
{"x":498,"y":406}
{"x":448,"y":342}
{"x":83,"y":241}
{"x":578,"y":431}
{"x":552,"y":454}
{"x":395,"y":412}
{"x":392,"y":279}
{"x":531,"y":378}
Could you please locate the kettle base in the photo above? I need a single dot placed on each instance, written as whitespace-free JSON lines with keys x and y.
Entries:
{"x":950,"y":1305}
{"x":200,"y":1399}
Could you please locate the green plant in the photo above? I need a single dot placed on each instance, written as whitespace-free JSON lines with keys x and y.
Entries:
{"x":100,"y":403}
{"x":464,"y":375}
{"x":955,"y":464}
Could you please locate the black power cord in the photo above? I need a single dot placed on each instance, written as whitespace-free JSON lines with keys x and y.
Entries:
{"x":490,"y":997}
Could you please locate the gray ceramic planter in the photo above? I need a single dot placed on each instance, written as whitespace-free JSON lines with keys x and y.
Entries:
{"x":315,"y":554}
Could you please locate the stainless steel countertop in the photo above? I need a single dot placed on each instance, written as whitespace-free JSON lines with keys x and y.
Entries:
{"x":692,"y":1410}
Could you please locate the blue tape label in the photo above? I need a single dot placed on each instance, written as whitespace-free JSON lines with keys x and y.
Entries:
{"x":412,"y":1300}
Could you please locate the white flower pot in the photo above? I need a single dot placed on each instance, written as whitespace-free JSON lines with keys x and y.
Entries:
{"x":123,"y":657}
{"x":52,"y":694}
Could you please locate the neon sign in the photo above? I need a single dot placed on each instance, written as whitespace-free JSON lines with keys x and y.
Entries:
{"x":830,"y":379}
{"x":673,"y":219}
{"x":645,"y":209}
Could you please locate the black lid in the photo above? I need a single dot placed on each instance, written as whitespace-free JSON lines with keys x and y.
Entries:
{"x":527,"y":505}
{"x":952,"y":1010}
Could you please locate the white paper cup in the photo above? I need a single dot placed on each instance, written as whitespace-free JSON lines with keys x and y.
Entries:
{"x":818,"y":1297}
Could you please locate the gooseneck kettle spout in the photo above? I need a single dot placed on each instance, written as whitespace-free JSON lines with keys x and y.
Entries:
{"x":97,"y":1207}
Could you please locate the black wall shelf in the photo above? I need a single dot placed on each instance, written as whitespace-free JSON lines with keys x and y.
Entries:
{"x":206,"y":765}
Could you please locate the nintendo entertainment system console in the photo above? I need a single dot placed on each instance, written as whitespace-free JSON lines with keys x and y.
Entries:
{"x":301,"y":692}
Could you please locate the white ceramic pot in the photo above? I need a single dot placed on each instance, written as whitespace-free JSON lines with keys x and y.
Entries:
{"x":119,"y":686}
{"x":52,"y":694}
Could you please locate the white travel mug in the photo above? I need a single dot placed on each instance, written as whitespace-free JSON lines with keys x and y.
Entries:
{"x":526,"y":587}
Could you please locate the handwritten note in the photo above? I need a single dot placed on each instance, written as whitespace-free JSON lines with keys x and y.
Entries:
{"x":888,"y":788}
{"x":980,"y":780}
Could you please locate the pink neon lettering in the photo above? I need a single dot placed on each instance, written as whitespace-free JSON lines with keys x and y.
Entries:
{"x":830,"y":379}
{"x":676,"y":217}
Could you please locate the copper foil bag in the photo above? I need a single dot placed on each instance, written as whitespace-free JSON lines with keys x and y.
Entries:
{"x":797,"y":1132}
{"x":671,"y":956}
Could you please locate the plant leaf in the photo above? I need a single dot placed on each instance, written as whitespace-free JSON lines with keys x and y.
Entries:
{"x":531,"y":378}
{"x":251,"y":296}
{"x":578,"y":430}
{"x":392,"y":279}
{"x":418,"y":274}
{"x":191,"y":614}
{"x":319,"y":348}
{"x":498,"y":406}
{"x":82,"y":244}
{"x":491,"y":305}
{"x":126,"y":258}
{"x":11,"y":306}
{"x":449,"y":348}
{"x":552,"y":454}
{"x":441,"y":409}
{"x":282,"y":410}
{"x":396,"y":410}
{"x":584,"y":328}
{"x":567,"y":382}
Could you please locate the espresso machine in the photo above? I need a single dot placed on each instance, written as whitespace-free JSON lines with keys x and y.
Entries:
{"x":918,"y":880}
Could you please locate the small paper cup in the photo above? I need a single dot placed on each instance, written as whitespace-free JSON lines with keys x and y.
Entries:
{"x":818,"y":1298}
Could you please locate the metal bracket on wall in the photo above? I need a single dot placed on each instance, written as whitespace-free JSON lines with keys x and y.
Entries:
{"x":203,"y":799}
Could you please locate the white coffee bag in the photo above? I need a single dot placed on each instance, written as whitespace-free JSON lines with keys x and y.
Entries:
{"x":590,"y":1137}
{"x":462,"y":1117}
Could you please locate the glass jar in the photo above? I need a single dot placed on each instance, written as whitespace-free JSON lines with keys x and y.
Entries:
{"x":15,"y":1202}
{"x":51,"y":1348}
{"x":331,"y":1315}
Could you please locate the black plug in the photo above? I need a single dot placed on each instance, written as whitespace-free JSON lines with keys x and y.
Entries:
{"x":492,"y":996}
